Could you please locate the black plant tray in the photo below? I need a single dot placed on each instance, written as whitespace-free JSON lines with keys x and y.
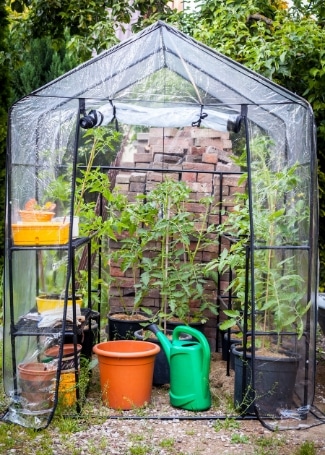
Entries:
{"x":26,"y":326}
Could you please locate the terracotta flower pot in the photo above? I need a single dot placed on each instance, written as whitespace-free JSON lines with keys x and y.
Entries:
{"x":37,"y":381}
{"x":126,"y":371}
{"x":68,"y":363}
{"x":35,"y":215}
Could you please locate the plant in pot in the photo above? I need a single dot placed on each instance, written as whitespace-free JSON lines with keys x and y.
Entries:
{"x":33,"y":211}
{"x":269,"y":279}
{"x":166,"y":245}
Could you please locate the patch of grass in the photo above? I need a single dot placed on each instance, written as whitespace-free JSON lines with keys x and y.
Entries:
{"x":238,"y":438}
{"x":139,"y":450}
{"x":136,"y":437}
{"x":24,"y":440}
{"x":66,"y":425}
{"x":307,"y":448}
{"x":227,"y":424}
{"x":266,"y":445}
{"x":7,"y":439}
{"x":167,"y":443}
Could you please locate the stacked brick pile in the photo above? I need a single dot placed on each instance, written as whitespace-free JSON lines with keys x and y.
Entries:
{"x":201,"y":158}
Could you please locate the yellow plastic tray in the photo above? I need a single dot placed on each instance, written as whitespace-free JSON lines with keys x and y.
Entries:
{"x":47,"y":304}
{"x":40,"y":233}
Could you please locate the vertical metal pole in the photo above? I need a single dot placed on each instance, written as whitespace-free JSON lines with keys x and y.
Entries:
{"x":251,"y":247}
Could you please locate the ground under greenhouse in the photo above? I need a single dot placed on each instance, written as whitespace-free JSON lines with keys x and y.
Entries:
{"x":99,"y":430}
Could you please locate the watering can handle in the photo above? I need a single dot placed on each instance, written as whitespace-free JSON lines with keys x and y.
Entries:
{"x":201,"y":339}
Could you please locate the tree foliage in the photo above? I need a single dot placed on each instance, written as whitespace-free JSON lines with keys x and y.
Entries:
{"x":285,"y":45}
{"x":90,"y":24}
{"x":41,"y":65}
{"x":4,"y":104}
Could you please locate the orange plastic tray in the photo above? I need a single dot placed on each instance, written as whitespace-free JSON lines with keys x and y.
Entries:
{"x":40,"y":233}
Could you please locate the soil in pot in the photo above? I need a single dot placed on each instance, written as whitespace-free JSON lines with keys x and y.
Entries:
{"x":121,"y":326}
{"x":275,"y":377}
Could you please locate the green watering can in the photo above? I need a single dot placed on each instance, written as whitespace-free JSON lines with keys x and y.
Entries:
{"x":189,"y":362}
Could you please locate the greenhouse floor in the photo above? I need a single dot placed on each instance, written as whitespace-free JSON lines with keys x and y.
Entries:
{"x":161,"y":429}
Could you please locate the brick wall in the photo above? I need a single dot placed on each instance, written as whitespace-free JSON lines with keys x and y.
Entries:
{"x":201,"y":158}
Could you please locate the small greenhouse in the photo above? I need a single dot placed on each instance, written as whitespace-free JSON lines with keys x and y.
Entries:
{"x":186,"y":112}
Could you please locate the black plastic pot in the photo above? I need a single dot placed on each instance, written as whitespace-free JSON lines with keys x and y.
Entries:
{"x":161,"y":372}
{"x":123,"y":329}
{"x":274,"y":382}
{"x":226,"y":347}
{"x":90,"y":338}
{"x":87,"y":338}
{"x":321,"y":312}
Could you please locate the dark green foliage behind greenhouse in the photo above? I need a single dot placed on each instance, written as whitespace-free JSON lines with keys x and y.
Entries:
{"x":4,"y":104}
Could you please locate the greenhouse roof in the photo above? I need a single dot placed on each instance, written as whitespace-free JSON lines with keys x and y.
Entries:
{"x":161,"y":67}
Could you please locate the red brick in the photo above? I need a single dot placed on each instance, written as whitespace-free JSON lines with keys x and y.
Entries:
{"x":206,"y":142}
{"x":154,"y":176}
{"x":123,"y":187}
{"x":137,"y":187}
{"x":171,"y":143}
{"x":227,"y":144}
{"x":220,"y":167}
{"x":195,"y":207}
{"x":207,"y":256}
{"x":204,"y":178}
{"x":214,"y":219}
{"x":201,"y":187}
{"x":142,"y":165}
{"x":236,"y":189}
{"x":161,"y":132}
{"x":198,"y":167}
{"x":197,"y":150}
{"x":209,"y":158}
{"x":189,"y":177}
{"x":193,"y":158}
{"x":123,"y":282}
{"x":116,"y":272}
{"x":122,"y":178}
{"x":142,"y":157}
{"x":208,"y":132}
{"x":138,"y":177}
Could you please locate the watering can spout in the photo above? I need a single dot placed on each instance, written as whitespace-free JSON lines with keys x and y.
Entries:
{"x":165,"y":343}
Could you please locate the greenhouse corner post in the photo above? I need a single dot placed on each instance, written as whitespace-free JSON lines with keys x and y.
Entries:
{"x":312,"y":257}
{"x":69,"y":270}
{"x":250,"y":258}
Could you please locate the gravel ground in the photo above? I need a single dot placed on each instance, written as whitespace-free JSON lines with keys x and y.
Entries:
{"x":164,"y":435}
{"x":188,"y":438}
{"x":102,"y":431}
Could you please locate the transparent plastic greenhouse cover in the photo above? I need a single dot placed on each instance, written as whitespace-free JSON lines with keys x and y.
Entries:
{"x":158,"y":78}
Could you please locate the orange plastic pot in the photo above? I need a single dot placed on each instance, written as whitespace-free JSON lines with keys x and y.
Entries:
{"x":126,"y":372}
